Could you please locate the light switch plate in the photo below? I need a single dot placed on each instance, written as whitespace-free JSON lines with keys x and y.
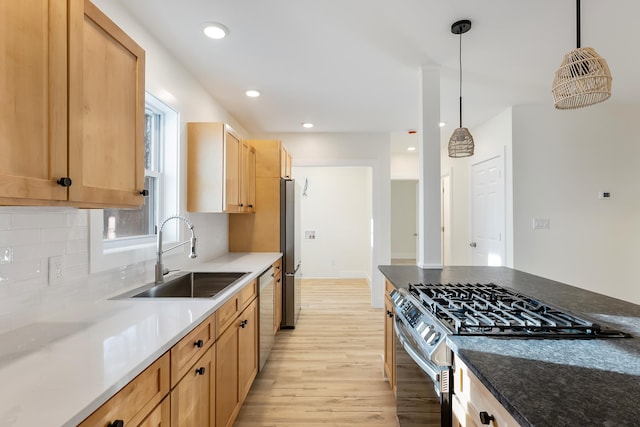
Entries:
{"x":541,"y":223}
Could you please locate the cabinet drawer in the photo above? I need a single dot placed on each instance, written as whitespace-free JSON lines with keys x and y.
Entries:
{"x":473,"y":398}
{"x":160,"y":416}
{"x":388,"y":287}
{"x":248,"y":294}
{"x":137,"y":399}
{"x":277,"y":267}
{"x":226,"y":314}
{"x":190,"y":348}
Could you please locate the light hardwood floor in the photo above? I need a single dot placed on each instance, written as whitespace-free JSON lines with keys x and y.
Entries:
{"x":328,"y":371}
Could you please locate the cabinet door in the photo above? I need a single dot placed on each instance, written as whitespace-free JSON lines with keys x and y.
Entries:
{"x":106,"y":110}
{"x":33,"y":104}
{"x":232,"y":162}
{"x":277,"y":303}
{"x":227,"y":397}
{"x":193,"y":399}
{"x":248,"y":349}
{"x":248,"y":178}
{"x":389,"y":343}
{"x":159,"y":417}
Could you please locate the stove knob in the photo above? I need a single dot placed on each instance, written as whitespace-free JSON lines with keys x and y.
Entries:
{"x":427,"y":331}
{"x":433,"y":338}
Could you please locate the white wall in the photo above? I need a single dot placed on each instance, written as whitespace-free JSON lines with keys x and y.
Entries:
{"x":352,"y":149}
{"x":491,"y":138}
{"x":337,"y":210}
{"x":561,"y":160}
{"x":30,"y":235}
{"x":405,"y":166}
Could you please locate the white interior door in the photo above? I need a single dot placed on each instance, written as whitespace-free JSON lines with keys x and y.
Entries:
{"x":446,"y":219}
{"x":488,"y":213}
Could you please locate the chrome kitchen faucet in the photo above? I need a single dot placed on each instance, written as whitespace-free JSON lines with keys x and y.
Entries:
{"x":160,"y":271}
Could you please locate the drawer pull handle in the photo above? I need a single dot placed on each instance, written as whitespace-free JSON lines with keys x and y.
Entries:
{"x":116,"y":423}
{"x":485,"y":418}
{"x":200,"y":371}
{"x":199,"y":343}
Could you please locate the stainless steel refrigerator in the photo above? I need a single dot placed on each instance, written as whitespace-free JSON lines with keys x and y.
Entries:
{"x":290,"y":246}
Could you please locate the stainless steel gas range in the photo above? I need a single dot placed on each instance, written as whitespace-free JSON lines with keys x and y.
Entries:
{"x":425,"y":314}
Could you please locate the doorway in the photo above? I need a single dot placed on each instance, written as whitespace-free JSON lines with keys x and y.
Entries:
{"x":404,"y":221}
{"x":488,"y":241}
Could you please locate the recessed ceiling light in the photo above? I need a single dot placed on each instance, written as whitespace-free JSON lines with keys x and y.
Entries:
{"x":215,"y":30}
{"x":251,"y":93}
{"x":411,"y":148}
{"x":442,"y":124}
{"x":307,"y":125}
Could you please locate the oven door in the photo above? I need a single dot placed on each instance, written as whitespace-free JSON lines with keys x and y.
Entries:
{"x":423,"y":397}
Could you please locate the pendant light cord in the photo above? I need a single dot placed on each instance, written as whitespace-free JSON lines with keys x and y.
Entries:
{"x":578,"y":22}
{"x":460,"y":79}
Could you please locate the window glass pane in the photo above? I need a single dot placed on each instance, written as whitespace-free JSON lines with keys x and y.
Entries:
{"x":119,"y":223}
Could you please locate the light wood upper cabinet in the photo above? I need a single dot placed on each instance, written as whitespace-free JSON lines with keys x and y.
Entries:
{"x":248,"y":179}
{"x":33,"y":105}
{"x":285,"y":163}
{"x":106,"y":110}
{"x":213,"y":168}
{"x":72,"y":106}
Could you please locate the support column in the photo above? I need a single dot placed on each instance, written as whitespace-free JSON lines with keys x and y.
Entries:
{"x":429,"y":191}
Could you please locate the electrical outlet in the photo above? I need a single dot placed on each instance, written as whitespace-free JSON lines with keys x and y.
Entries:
{"x":56,"y":270}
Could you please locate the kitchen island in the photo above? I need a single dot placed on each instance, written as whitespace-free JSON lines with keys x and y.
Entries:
{"x":550,"y":382}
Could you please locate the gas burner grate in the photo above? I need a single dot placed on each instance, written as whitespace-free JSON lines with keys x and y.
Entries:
{"x":489,"y":309}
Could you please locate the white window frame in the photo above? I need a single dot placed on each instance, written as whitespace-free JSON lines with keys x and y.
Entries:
{"x":106,"y":255}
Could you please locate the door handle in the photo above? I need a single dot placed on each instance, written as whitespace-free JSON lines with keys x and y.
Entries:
{"x":473,"y":244}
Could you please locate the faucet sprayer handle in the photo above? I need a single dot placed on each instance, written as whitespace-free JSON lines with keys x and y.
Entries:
{"x":193,"y":247}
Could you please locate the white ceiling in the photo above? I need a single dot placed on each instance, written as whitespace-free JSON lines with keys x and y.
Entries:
{"x":354,"y":65}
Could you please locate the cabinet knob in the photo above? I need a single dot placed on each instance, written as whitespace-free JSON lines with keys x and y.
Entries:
{"x":116,"y":423}
{"x":241,"y":205}
{"x":199,"y":343}
{"x":144,"y":192}
{"x":65,"y":181}
{"x":200,"y":371}
{"x":485,"y":418}
{"x":244,"y":323}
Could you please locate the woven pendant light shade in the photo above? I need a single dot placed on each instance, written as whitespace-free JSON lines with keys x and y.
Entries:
{"x":583,"y":79}
{"x":461,"y":143}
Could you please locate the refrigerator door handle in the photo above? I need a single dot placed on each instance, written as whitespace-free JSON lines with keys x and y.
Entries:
{"x":294,"y":271}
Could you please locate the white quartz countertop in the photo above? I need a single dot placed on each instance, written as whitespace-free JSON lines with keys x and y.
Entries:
{"x":58,"y":370}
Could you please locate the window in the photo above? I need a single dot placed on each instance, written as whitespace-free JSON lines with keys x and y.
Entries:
{"x":122,"y":236}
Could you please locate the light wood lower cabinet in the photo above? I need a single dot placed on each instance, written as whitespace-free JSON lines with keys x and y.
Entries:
{"x":389,"y":338}
{"x":159,"y":417}
{"x":472,"y":403}
{"x":193,"y":398}
{"x":136,"y":400}
{"x":201,"y":381}
{"x":237,"y":364}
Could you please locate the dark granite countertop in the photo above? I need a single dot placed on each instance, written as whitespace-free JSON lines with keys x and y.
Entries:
{"x":550,"y":382}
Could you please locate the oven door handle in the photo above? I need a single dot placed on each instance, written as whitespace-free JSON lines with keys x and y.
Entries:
{"x":434,"y":374}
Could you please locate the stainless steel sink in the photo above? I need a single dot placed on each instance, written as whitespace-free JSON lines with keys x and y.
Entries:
{"x":191,"y":285}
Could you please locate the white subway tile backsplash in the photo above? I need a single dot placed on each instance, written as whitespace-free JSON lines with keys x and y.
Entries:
{"x":78,"y":218}
{"x":20,"y":237}
{"x":5,"y":221}
{"x":79,"y":246}
{"x":44,"y":220}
